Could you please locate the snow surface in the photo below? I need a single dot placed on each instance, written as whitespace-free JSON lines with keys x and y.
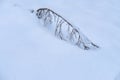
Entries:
{"x":29,"y":52}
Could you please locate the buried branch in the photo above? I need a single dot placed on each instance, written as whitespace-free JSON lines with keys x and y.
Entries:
{"x":64,"y":29}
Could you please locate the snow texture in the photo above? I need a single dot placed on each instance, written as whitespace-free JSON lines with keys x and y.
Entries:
{"x":28,"y":51}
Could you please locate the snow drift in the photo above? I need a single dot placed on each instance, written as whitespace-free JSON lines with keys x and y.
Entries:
{"x":28,"y":52}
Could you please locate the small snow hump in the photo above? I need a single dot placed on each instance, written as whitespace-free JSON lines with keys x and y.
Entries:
{"x":64,"y":29}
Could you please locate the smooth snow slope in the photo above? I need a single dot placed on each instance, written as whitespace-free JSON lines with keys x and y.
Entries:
{"x":29,"y":52}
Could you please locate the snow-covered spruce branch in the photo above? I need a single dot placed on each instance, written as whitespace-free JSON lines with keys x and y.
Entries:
{"x":64,"y":29}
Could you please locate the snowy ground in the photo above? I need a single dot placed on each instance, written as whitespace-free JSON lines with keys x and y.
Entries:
{"x":29,"y":52}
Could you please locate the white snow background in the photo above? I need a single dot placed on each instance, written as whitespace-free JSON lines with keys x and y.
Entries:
{"x":29,"y":52}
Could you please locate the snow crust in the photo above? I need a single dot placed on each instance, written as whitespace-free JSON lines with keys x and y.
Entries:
{"x":28,"y":51}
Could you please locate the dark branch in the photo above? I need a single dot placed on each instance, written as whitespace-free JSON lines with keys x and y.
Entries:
{"x":73,"y":34}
